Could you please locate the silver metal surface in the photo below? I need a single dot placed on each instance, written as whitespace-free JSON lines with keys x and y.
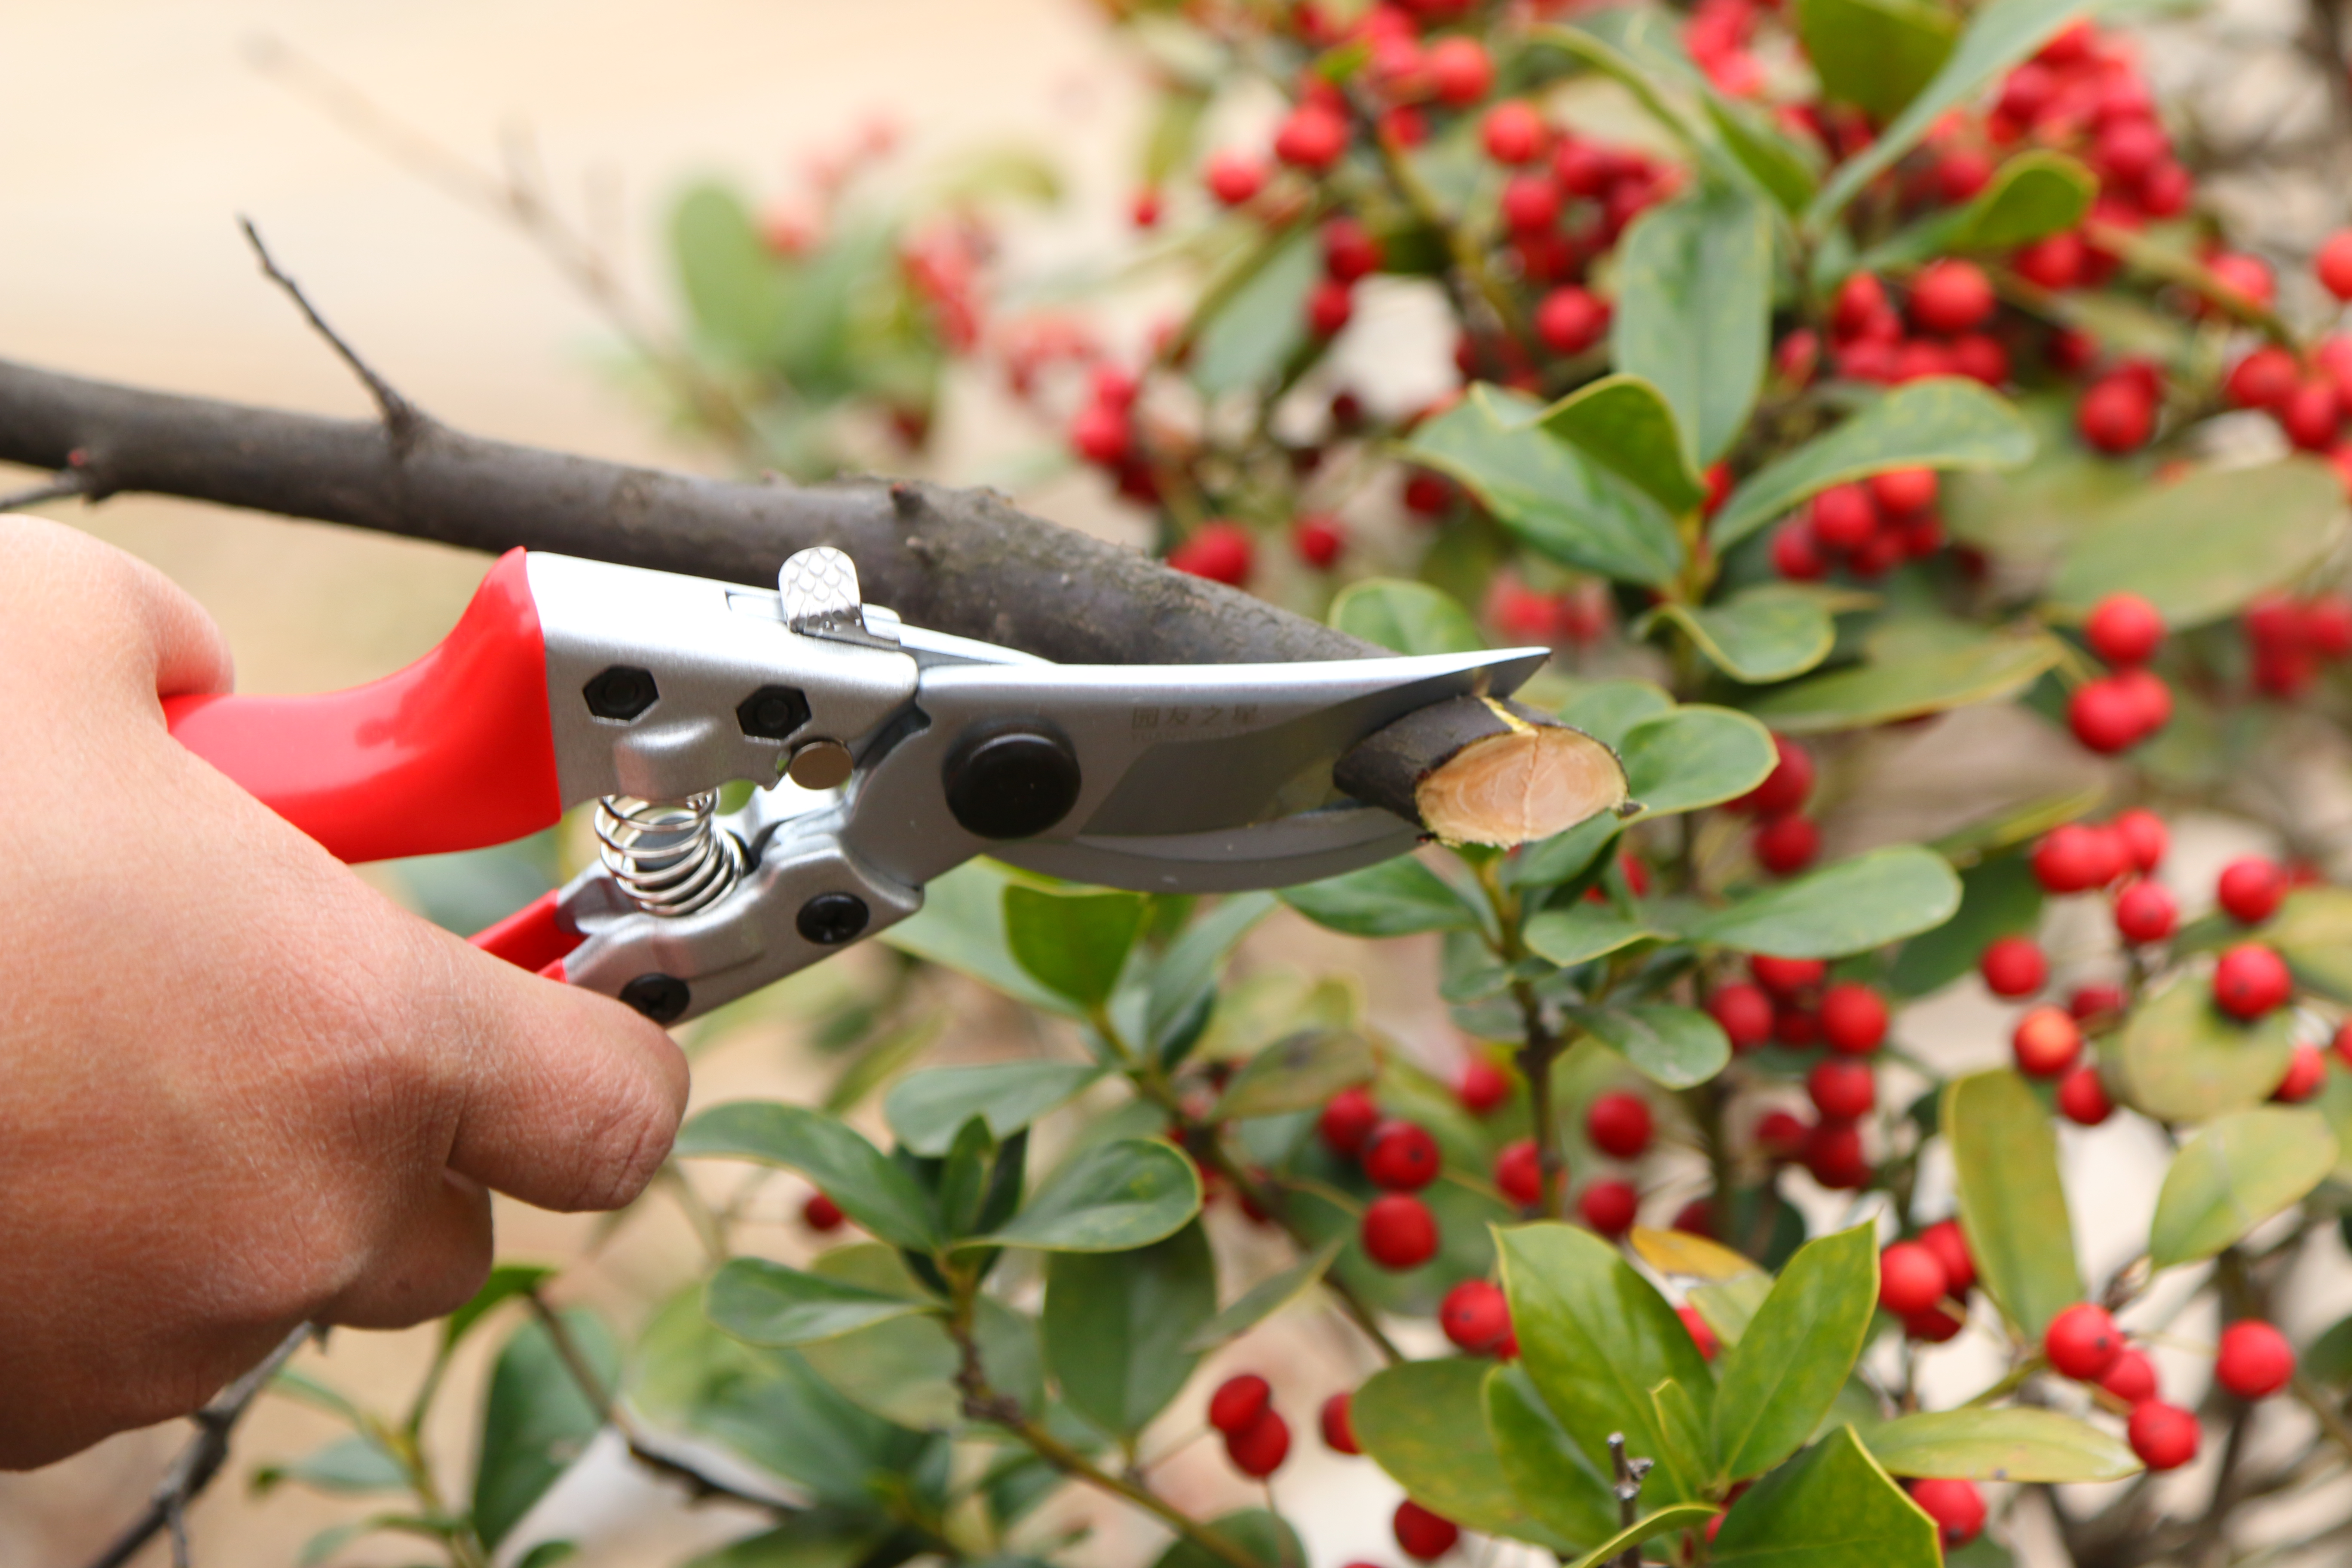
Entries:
{"x":669,"y":856}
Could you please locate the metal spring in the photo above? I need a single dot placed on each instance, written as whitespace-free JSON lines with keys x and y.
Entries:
{"x":669,"y":856}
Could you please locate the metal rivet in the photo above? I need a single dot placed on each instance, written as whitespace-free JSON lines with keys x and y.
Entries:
{"x":661,"y":998}
{"x":822,"y":764}
{"x":623,"y":693}
{"x":830,"y":918}
{"x":773,"y":712}
{"x":1014,"y":784}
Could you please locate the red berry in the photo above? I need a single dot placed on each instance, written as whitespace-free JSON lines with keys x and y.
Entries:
{"x":1460,"y":71}
{"x":1218,"y":551}
{"x":1312,"y":138}
{"x":821,"y":1214}
{"x":1259,"y":1448}
{"x":2333,"y":264}
{"x":1513,"y":133}
{"x":1399,"y":1231}
{"x":1318,"y":539}
{"x":2116,"y":416}
{"x":1787,"y":846}
{"x":1933,"y":1326}
{"x":2123,"y":629}
{"x":1239,"y":1401}
{"x":2046,"y":1042}
{"x":1701,"y":1335}
{"x":1844,"y":517}
{"x":1834,"y":1154}
{"x":1910,"y":1279}
{"x":2251,"y":980}
{"x":1619,"y":1124}
{"x":2341,"y":1044}
{"x":2071,"y":858}
{"x":2327,"y":626}
{"x":2082,"y":1098}
{"x":1482,"y":1086}
{"x":2054,"y":263}
{"x":1843,"y":1089}
{"x":1780,"y":1134}
{"x":2132,"y":1379}
{"x":2306,"y":1070}
{"x":2309,"y":415}
{"x":2247,"y":276}
{"x":1348,"y":1119}
{"x":1861,"y":309}
{"x":1531,"y":203}
{"x":1853,"y":1018}
{"x":1350,"y":254}
{"x":1956,"y":1507}
{"x":1518,"y":1173}
{"x":1401,"y":1156}
{"x":1799,"y":1028}
{"x":1329,"y":304}
{"x":2104,"y":717}
{"x":1582,"y":168}
{"x":2255,"y":1361}
{"x":2014,"y":967}
{"x":1903,"y":490}
{"x":1421,"y":1535}
{"x":1950,"y":1245}
{"x":1787,"y":977}
{"x":1338,"y":1427}
{"x":1950,"y":296}
{"x":1961,"y":172}
{"x":1796,"y":555}
{"x":1233,"y":177}
{"x":1143,"y":209}
{"x":2082,"y":1343}
{"x":2145,"y":912}
{"x":1571,"y":319}
{"x":2164,"y":1436}
{"x":1786,"y":787}
{"x":1100,"y":434}
{"x":1743,"y":1013}
{"x":2128,"y":151}
{"x":2263,"y":379}
{"x":2086,"y":1002}
{"x":2250,"y":889}
{"x":2143,"y":837}
{"x":1609,"y":1206}
{"x":1474,"y":1316}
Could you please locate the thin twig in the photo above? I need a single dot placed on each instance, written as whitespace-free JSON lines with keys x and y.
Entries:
{"x":67,"y":484}
{"x":1631,"y":1474}
{"x":403,"y":420}
{"x":197,"y":1463}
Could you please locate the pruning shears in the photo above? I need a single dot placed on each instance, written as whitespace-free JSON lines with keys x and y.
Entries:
{"x":884,"y":755}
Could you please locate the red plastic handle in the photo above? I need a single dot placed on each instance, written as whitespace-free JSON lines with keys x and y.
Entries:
{"x":453,"y":753}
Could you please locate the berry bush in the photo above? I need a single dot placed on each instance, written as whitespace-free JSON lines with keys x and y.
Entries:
{"x":1937,"y":516}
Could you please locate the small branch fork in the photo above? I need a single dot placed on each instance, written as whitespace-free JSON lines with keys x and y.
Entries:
{"x":1631,"y":1474}
{"x":403,"y":422}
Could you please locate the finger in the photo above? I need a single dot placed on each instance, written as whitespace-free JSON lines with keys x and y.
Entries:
{"x":433,"y":1256}
{"x":97,"y":593}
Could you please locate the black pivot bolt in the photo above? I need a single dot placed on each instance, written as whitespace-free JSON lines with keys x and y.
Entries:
{"x":622,"y":692}
{"x":830,"y":918}
{"x":773,"y":712}
{"x":661,"y":998}
{"x":1013,"y":784}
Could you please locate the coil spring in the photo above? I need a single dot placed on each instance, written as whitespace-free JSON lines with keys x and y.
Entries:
{"x":669,"y":856}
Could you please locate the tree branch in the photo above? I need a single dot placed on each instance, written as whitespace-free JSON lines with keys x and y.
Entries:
{"x":403,"y":420}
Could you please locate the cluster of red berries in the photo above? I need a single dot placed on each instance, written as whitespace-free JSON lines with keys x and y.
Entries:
{"x":2253,"y":1362}
{"x":1791,"y":1002}
{"x":1398,"y":1231}
{"x":1871,"y":527}
{"x":1787,"y":839}
{"x":2290,"y":637}
{"x":1925,"y":1281}
{"x":1576,"y":615}
{"x":2119,"y":710}
{"x":1951,"y":301}
{"x":1257,"y":1441}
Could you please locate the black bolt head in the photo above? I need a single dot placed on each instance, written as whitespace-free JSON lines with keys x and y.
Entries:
{"x":773,"y":712}
{"x":623,"y":693}
{"x":661,"y":998}
{"x":1013,"y":784}
{"x":830,"y":918}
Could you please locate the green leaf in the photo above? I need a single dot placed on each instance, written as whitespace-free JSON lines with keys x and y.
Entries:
{"x":1545,"y":491}
{"x":536,"y":1421}
{"x":1683,"y":1427}
{"x":2183,"y":1060}
{"x":347,"y":1466}
{"x":1775,"y":163}
{"x":1852,"y":907}
{"x":1608,"y":710}
{"x":1596,"y":1338}
{"x":1999,"y":36}
{"x":1555,"y":1484}
{"x":1907,"y":686}
{"x":1117,"y":1326}
{"x":507,"y":1282}
{"x":1649,"y":1527}
{"x":961,"y":927}
{"x":926,"y":1110}
{"x":1694,"y":756}
{"x":1111,"y":1197}
{"x":2006,"y":1445}
{"x":1694,"y":319}
{"x":1564,"y":855}
{"x":1624,"y":424}
{"x":855,"y":1174}
{"x":1581,"y":932}
{"x":1265,"y":1536}
{"x":1672,"y":1046}
{"x":1831,"y":1507}
{"x":905,"y":1371}
{"x":1264,"y":1298}
{"x":1425,"y":1422}
{"x":819,"y":1539}
{"x":1188,"y":971}
{"x":1998,"y":898}
{"x":1263,"y":321}
{"x":1409,"y":617}
{"x":1395,"y":897}
{"x":2313,"y":932}
{"x":2012,"y":1206}
{"x":1782,"y":1376}
{"x":2031,"y":196}
{"x":735,"y":289}
{"x":1875,"y":54}
{"x":1763,"y":635}
{"x":1074,"y":945}
{"x":2235,"y":1174}
{"x":1297,"y":1073}
{"x":2202,"y":546}
{"x":1943,"y":422}
{"x":765,"y":1303}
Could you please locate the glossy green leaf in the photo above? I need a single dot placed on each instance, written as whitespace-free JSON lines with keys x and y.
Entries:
{"x":1267,"y":1296}
{"x":1564,"y":855}
{"x":1694,"y":756}
{"x":1943,"y":422}
{"x":1596,"y":1338}
{"x":1555,"y":1484}
{"x":736,"y":292}
{"x":507,"y":1282}
{"x":1875,"y":54}
{"x":1671,"y":1046}
{"x":1395,"y":897}
{"x":1831,"y":1507}
{"x":1112,"y":1197}
{"x":1187,"y":972}
{"x":2012,"y":1205}
{"x":1117,"y":1325}
{"x":926,"y":1110}
{"x":1298,"y":1072}
{"x":961,"y":927}
{"x":2180,"y":1059}
{"x":1425,"y":1422}
{"x":1074,"y":945}
{"x":1998,"y":898}
{"x":2235,"y":1174}
{"x":1693,"y":319}
{"x":905,"y":1371}
{"x":1781,"y":1379}
{"x":1545,"y":491}
{"x":1984,"y":670}
{"x":1409,"y":617}
{"x":1762,"y":636}
{"x":536,"y":1421}
{"x":1731,"y":1305}
{"x":1265,"y":1536}
{"x":2202,"y":546}
{"x":877,"y":1194}
{"x":1779,"y":166}
{"x":2031,"y":196}
{"x":818,"y":1539}
{"x":355,"y":1465}
{"x":1852,"y":907}
{"x":2011,"y":1443}
{"x":2313,"y":932}
{"x":1649,"y":1527}
{"x":1607,"y":710}
{"x":1580,"y":933}
{"x":1262,"y":321}
{"x":1625,"y":424}
{"x":765,"y":1303}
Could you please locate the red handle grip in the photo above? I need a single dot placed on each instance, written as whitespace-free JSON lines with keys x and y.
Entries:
{"x":453,"y":753}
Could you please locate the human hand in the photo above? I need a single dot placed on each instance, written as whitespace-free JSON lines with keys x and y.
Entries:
{"x":242,"y":1090}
